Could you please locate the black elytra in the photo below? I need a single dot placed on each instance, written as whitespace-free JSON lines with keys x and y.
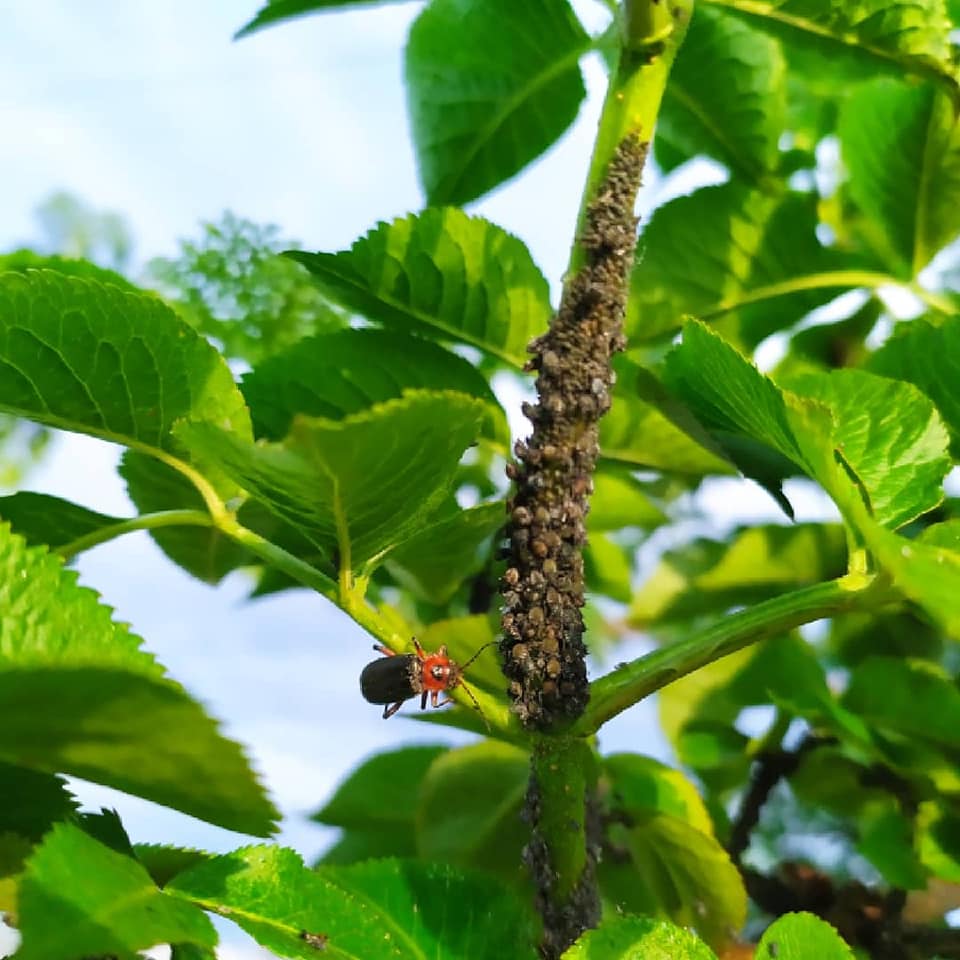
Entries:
{"x":397,"y":677}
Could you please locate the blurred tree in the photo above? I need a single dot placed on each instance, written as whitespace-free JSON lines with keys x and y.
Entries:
{"x":72,"y":228}
{"x":231,"y":285}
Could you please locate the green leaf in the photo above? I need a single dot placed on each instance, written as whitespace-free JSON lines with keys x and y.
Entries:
{"x":433,"y":563}
{"x":188,"y":951}
{"x":629,"y":938}
{"x":377,"y":909}
{"x":32,"y":801}
{"x":927,"y":573}
{"x":491,"y":84}
{"x":163,"y":862}
{"x":697,"y":714}
{"x":901,"y":148}
{"x":860,"y":37}
{"x":618,"y":501}
{"x":825,"y":346}
{"x":841,"y":435}
{"x":698,"y":711}
{"x":269,"y":893}
{"x":41,"y":518}
{"x":679,"y":873}
{"x":726,"y":97}
{"x":643,"y":785}
{"x":938,"y":840}
{"x":80,"y":898}
{"x":729,"y":248}
{"x":645,"y":427}
{"x":119,"y":721}
{"x":912,"y":697}
{"x":709,"y":576}
{"x":607,"y":568}
{"x":205,"y":552}
{"x":928,"y":357}
{"x":89,"y":357}
{"x":735,"y":401}
{"x":350,"y":371}
{"x":444,"y":275}
{"x":886,"y":840}
{"x":801,"y":936}
{"x":445,"y":913}
{"x":106,"y":828}
{"x":277,"y":11}
{"x":901,"y":460}
{"x":886,"y":633}
{"x":469,"y":811}
{"x":360,"y":485}
{"x":23,"y":260}
{"x":382,"y":791}
{"x":357,"y":844}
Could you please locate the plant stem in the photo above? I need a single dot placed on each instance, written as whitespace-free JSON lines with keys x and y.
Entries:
{"x":146,"y":521}
{"x":565,"y":838}
{"x":543,"y":588}
{"x":302,"y":572}
{"x":385,"y":625}
{"x":635,"y":92}
{"x":839,"y":279}
{"x":622,"y":688}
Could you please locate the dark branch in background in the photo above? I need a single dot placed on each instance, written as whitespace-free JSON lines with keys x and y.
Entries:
{"x":543,"y":587}
{"x":770,"y":767}
{"x":866,"y":918}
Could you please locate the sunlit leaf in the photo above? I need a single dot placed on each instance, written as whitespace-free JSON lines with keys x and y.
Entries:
{"x":79,"y":898}
{"x":647,"y":428}
{"x":726,"y":96}
{"x":118,"y":720}
{"x":443,"y":275}
{"x":901,"y":146}
{"x":801,"y":936}
{"x":729,"y":248}
{"x":928,"y":357}
{"x":469,"y":811}
{"x":707,"y":576}
{"x":860,"y":37}
{"x":490,"y":84}
{"x":382,"y":908}
{"x":41,"y":518}
{"x":627,"y":938}
{"x":95,"y":359}
{"x":359,"y":485}
{"x":349,"y":371}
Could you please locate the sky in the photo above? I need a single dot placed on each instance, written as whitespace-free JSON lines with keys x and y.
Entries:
{"x":151,"y":110}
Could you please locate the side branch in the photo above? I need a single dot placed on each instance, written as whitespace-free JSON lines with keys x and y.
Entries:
{"x":621,"y":689}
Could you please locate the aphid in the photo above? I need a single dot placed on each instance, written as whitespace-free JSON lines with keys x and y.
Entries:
{"x":397,"y":677}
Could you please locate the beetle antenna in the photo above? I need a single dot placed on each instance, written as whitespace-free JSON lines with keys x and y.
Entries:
{"x":476,"y":702}
{"x":477,"y":654}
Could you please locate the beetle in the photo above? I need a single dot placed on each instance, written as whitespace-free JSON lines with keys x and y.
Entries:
{"x":397,"y":677}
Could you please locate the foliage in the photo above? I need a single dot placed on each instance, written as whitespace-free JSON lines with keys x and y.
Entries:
{"x":73,"y":239}
{"x":343,"y":458}
{"x":234,"y":289}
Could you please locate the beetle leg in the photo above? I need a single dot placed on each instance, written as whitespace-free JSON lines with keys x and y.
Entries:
{"x":388,"y":712}
{"x":386,"y":651}
{"x":423,"y":700}
{"x":442,"y":703}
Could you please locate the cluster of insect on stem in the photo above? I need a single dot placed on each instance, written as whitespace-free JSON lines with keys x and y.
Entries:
{"x":543,"y":587}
